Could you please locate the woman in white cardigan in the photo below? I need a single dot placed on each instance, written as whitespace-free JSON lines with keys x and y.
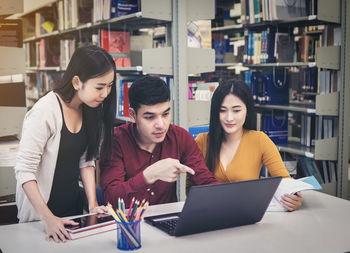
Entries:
{"x":62,"y":135}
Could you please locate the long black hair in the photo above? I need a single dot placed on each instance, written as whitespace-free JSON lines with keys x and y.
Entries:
{"x":216,"y":133}
{"x":90,"y":62}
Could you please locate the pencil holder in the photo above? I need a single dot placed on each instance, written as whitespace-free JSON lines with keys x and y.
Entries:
{"x":128,"y":235}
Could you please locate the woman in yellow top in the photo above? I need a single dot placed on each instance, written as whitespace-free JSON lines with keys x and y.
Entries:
{"x":233,"y":149}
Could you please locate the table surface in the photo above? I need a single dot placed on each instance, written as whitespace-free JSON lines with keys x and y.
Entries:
{"x":322,"y":224}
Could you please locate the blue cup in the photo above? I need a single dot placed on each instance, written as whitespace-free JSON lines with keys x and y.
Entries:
{"x":128,"y":235}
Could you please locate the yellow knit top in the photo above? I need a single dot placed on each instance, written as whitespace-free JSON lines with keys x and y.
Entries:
{"x":254,"y":150}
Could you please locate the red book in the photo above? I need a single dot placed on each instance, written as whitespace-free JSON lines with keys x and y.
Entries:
{"x":126,"y":88}
{"x":117,"y":43}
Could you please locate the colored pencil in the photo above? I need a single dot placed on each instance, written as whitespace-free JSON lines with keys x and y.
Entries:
{"x":130,"y":207}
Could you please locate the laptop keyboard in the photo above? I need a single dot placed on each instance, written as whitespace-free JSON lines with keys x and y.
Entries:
{"x":169,"y":224}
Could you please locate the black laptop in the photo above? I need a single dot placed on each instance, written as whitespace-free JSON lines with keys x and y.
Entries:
{"x":211,"y":207}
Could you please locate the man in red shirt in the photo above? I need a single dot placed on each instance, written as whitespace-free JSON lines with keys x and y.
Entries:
{"x":149,"y":153}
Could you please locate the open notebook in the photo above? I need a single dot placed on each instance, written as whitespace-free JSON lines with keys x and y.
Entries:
{"x":211,"y":207}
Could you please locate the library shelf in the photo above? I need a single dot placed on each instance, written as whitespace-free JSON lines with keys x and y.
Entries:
{"x":228,"y":28}
{"x":287,"y":108}
{"x":283,"y":64}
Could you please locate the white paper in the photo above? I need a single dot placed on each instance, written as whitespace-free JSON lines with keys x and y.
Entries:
{"x":291,"y":186}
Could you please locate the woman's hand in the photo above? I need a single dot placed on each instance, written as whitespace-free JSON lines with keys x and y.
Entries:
{"x":98,"y":209}
{"x":292,"y":202}
{"x":55,"y":229}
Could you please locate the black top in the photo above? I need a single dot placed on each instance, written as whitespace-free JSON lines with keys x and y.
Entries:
{"x":65,"y":198}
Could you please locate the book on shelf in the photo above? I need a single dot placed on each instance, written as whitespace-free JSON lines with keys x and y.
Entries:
{"x":91,"y":224}
{"x":71,"y":13}
{"x":126,"y":7}
{"x":46,"y":20}
{"x":256,"y":11}
{"x":260,"y":47}
{"x":219,"y":45}
{"x":47,"y":53}
{"x":123,"y":84}
{"x":308,"y":130}
{"x":107,"y":9}
{"x":281,"y":9}
{"x":84,"y":11}
{"x":11,"y":33}
{"x":291,"y":186}
{"x":67,"y":48}
{"x":39,"y":83}
{"x":117,"y":43}
{"x":97,"y":14}
{"x":125,"y":100}
{"x":284,"y":47}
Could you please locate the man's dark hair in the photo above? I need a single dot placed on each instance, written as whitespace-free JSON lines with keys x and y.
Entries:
{"x":148,"y":90}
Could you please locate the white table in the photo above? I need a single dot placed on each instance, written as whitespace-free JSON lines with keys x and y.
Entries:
{"x":321,"y":225}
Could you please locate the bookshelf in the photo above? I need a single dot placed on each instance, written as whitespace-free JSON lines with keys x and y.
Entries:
{"x":330,"y":105}
{"x":157,"y":61}
{"x":173,"y":61}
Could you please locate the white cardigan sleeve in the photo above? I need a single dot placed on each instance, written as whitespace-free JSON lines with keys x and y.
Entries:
{"x":83,"y":163}
{"x":40,"y":124}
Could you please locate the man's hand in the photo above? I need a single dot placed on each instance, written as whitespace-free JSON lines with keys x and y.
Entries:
{"x":166,"y":170}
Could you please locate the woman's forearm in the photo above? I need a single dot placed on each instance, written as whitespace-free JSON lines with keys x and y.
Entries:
{"x":33,"y":194}
{"x":88,"y":178}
